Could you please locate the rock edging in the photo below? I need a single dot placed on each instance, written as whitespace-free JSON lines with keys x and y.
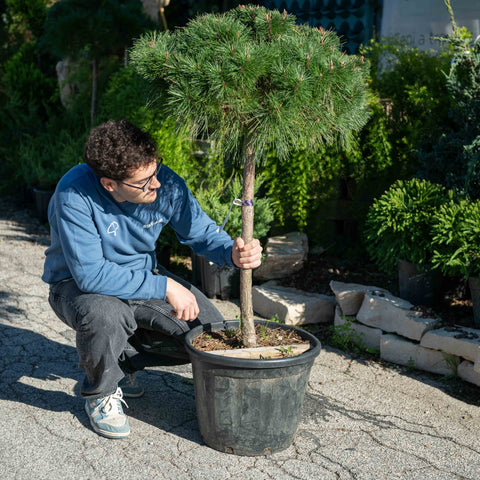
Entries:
{"x":405,"y":335}
{"x":292,"y":306}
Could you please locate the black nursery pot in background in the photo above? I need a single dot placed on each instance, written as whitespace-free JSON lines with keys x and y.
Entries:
{"x":419,"y":286}
{"x":247,"y":406}
{"x":474,"y":285}
{"x":41,"y":200}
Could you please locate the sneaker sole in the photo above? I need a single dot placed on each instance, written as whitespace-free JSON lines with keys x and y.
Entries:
{"x":133,"y":395}
{"x":108,"y":434}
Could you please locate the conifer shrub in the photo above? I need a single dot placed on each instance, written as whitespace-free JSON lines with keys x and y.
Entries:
{"x":399,"y":224}
{"x":456,"y":238}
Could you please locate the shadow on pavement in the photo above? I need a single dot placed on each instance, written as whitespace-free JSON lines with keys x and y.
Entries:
{"x":28,"y":359}
{"x":27,"y":227}
{"x":451,"y":385}
{"x":38,"y":372}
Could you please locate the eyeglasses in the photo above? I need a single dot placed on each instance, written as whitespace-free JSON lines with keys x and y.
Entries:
{"x":147,"y":184}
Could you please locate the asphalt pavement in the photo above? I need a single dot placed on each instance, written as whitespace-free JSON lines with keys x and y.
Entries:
{"x":362,"y":419}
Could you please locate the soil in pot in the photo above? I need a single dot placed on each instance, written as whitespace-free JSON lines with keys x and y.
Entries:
{"x":231,"y":338}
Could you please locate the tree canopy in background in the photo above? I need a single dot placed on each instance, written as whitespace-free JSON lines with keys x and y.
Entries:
{"x":22,"y":21}
{"x":453,"y":156}
{"x":93,"y":29}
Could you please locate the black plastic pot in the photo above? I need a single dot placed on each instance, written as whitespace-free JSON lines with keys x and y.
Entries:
{"x":474,"y":284}
{"x":216,"y":282}
{"x":41,"y":200}
{"x":419,"y":286}
{"x":246,"y":406}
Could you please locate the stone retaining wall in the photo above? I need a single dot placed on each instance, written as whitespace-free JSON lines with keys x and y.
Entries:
{"x":403,"y":334}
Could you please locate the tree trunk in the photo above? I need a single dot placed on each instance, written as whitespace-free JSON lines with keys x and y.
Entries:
{"x":93,"y":107}
{"x":164,"y":20}
{"x":246,"y":308}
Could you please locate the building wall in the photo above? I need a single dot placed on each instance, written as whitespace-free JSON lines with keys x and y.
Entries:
{"x":418,"y":21}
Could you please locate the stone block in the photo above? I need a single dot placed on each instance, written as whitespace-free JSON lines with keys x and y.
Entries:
{"x":398,"y":350}
{"x":466,"y":371}
{"x":292,"y":306}
{"x":394,"y":315}
{"x":457,"y":340}
{"x":476,"y":365}
{"x":284,"y":255}
{"x":350,"y":295}
{"x":364,"y":337}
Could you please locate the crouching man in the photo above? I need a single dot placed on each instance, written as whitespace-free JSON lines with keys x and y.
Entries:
{"x":127,"y":311}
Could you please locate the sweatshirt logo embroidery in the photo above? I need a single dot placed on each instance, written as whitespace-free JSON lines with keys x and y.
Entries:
{"x":151,"y":224}
{"x":112,"y":228}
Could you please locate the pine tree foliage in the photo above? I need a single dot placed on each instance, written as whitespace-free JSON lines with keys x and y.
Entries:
{"x":253,"y":77}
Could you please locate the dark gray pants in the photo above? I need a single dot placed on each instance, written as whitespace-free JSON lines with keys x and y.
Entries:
{"x":116,"y":336}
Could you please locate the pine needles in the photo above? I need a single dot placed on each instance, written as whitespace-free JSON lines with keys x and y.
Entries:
{"x":253,"y":76}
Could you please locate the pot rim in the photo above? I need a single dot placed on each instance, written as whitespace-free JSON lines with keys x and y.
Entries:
{"x":251,"y":363}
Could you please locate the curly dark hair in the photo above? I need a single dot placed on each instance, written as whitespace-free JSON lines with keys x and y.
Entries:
{"x":116,"y":148}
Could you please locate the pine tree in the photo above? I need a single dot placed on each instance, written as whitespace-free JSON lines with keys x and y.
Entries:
{"x":249,"y":80}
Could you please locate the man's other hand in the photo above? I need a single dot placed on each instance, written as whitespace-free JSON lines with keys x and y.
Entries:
{"x":247,"y":255}
{"x":182,"y":300}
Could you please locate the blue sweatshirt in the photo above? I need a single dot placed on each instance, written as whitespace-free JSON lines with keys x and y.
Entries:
{"x":108,"y":247}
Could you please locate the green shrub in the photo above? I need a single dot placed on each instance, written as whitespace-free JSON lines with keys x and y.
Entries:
{"x":399,"y":223}
{"x":44,"y":158}
{"x":456,"y":238}
{"x":411,"y":84}
{"x":23,"y":75}
{"x":15,"y":122}
{"x":125,"y":98}
{"x":28,"y":86}
{"x":453,"y":158}
{"x":292,"y":186}
{"x":45,"y":155}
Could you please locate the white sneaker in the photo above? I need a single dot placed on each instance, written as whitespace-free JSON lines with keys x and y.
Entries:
{"x":107,"y":417}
